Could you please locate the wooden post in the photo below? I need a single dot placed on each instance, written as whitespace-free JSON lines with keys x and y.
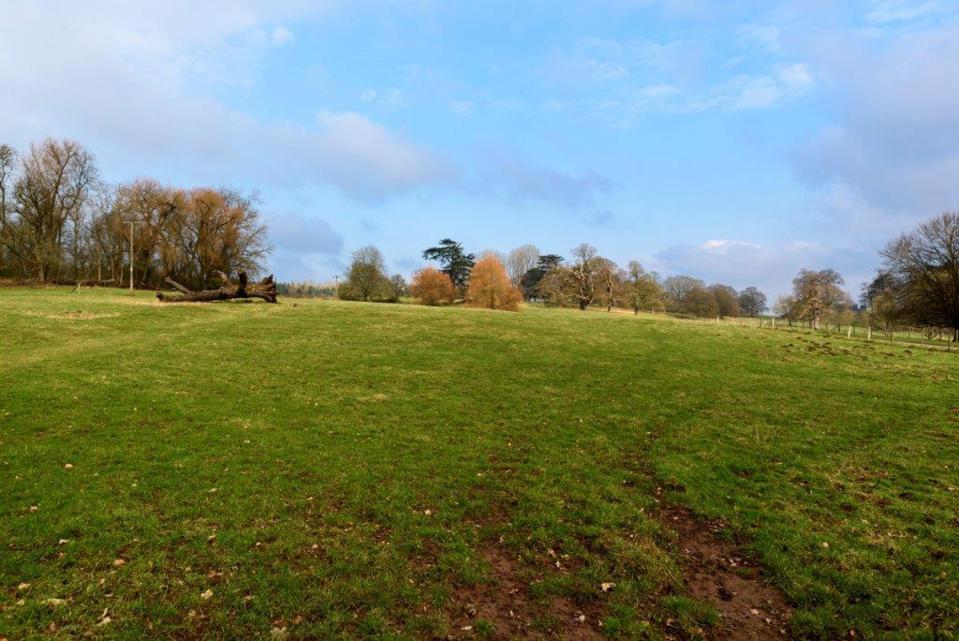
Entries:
{"x":849,"y":332}
{"x":132,"y":223}
{"x":869,"y":335}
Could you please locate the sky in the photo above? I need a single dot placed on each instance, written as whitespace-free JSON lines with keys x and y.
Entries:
{"x":737,"y":141}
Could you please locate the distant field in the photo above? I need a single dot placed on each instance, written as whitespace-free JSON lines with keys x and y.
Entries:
{"x":318,"y":469}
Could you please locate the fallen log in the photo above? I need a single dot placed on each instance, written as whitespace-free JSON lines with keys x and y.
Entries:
{"x":265,"y":290}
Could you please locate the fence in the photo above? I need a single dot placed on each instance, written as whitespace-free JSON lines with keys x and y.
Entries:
{"x":933,"y":337}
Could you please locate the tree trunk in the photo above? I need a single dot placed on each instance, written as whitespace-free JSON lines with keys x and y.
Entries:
{"x":265,"y":289}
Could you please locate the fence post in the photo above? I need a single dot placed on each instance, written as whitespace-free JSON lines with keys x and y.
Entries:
{"x":869,"y":336}
{"x":849,"y":332}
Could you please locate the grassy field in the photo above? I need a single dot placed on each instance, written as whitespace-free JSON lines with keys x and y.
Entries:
{"x":347,"y":470}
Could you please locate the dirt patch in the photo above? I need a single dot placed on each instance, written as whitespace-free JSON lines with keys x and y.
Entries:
{"x":77,"y":315}
{"x":717,"y":572}
{"x":503,"y":608}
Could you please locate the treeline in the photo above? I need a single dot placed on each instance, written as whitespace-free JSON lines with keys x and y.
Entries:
{"x":586,"y":281}
{"x":60,"y":222}
{"x":918,"y":281}
{"x":916,"y":286}
{"x":306,"y":290}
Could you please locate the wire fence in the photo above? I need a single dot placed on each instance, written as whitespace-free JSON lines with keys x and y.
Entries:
{"x":944,"y":338}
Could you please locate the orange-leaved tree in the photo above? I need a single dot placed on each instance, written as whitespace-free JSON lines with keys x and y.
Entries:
{"x":490,"y":287}
{"x":432,"y":287}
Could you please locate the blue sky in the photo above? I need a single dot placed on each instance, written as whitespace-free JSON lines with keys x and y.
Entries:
{"x":737,"y":141}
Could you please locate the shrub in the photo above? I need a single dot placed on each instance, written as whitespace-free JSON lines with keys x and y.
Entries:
{"x":490,"y":287}
{"x":432,"y":287}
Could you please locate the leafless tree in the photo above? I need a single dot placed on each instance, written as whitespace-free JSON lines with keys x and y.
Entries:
{"x":521,"y":260}
{"x":785,"y":307}
{"x":814,"y":292}
{"x":921,"y":270}
{"x":54,"y":184}
{"x":58,"y":221}
{"x":643,"y":290}
{"x":582,"y":272}
{"x":611,"y":278}
{"x":8,"y":159}
{"x":727,"y":299}
{"x":678,"y":290}
{"x":556,"y":288}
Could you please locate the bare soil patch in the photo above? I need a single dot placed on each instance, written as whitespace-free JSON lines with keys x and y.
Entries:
{"x":716,"y":571}
{"x":503,"y":609}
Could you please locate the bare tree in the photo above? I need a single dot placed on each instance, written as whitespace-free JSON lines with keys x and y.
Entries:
{"x":727,"y":299}
{"x":922,"y":267}
{"x":8,"y":158}
{"x":701,"y":303}
{"x":57,"y":220}
{"x":105,"y":240}
{"x":611,"y":278}
{"x":492,"y":253}
{"x":643,"y":290}
{"x":54,"y":184}
{"x":583,"y":275}
{"x":556,"y":287}
{"x":521,"y":260}
{"x":785,"y":307}
{"x":219,"y":230}
{"x":678,"y":290}
{"x":815,"y":292}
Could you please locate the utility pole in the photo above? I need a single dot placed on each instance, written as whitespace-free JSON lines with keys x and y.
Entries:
{"x":132,"y":223}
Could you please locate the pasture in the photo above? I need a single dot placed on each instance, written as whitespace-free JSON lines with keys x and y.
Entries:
{"x":321,"y":469}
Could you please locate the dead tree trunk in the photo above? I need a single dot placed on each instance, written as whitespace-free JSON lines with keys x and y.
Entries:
{"x":265,"y":289}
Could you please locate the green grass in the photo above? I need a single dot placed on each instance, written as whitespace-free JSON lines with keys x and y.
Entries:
{"x":338,"y":469}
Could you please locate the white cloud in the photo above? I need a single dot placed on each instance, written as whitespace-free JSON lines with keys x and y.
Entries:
{"x":504,"y":174}
{"x":884,"y":12}
{"x":281,"y":36}
{"x":766,"y":36}
{"x":783,"y":83}
{"x":390,"y":98}
{"x":463,"y":108}
{"x":724,"y":246}
{"x":294,"y":233}
{"x":895,"y":144}
{"x":370,"y":162}
{"x":130,"y":81}
{"x":675,"y":76}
